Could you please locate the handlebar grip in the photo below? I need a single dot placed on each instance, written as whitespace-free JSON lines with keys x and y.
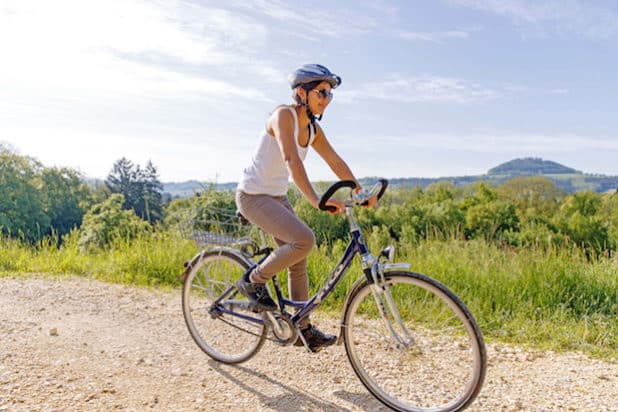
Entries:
{"x":383,"y":189}
{"x":384,"y":185}
{"x":331,"y":191}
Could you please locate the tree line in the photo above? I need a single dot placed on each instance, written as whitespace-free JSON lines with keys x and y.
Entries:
{"x":522,"y":212}
{"x":37,"y":202}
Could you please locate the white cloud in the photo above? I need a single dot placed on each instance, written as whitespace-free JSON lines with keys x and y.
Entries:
{"x":135,"y":47}
{"x":302,"y":19}
{"x":424,"y":88}
{"x":515,"y":89}
{"x":436,"y":37}
{"x":72,"y":28}
{"x":571,"y":16}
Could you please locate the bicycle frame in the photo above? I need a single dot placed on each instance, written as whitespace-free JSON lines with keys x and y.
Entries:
{"x":356,"y":246}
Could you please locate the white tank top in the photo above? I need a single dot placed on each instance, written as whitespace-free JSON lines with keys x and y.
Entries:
{"x":267,"y":173}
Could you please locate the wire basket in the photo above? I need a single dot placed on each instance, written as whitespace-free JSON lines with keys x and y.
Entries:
{"x":219,"y":227}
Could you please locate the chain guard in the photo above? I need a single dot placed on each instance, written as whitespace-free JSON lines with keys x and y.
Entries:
{"x":289,"y":334}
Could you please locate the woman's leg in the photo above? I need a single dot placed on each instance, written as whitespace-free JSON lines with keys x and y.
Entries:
{"x":295,"y":240}
{"x":298,"y":279}
{"x":275,"y":216}
{"x":298,"y":283}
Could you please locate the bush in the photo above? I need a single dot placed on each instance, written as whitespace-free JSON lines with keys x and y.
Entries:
{"x":107,"y":222}
{"x":579,"y":219}
{"x":196,"y":212}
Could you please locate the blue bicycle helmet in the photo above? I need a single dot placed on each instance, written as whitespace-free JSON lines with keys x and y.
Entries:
{"x":308,"y":73}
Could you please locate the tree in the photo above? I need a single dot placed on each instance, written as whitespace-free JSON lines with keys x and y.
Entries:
{"x":489,"y":219}
{"x":608,"y":212}
{"x":65,"y":198}
{"x":535,"y":197}
{"x":488,"y":216}
{"x":579,"y":219}
{"x":150,"y":205}
{"x":140,"y":188}
{"x":22,"y":212}
{"x":123,"y":180}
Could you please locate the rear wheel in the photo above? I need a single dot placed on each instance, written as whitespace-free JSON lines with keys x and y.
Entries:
{"x":228,"y":338}
{"x":439,"y":363}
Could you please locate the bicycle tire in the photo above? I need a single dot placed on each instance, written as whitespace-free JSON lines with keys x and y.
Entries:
{"x":443,"y":370}
{"x":225,"y":338}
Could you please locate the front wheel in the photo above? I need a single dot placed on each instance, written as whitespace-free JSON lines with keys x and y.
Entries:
{"x":433,"y":360}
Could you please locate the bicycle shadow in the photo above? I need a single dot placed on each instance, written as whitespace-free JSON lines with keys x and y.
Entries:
{"x":292,"y":399}
{"x":365,"y":401}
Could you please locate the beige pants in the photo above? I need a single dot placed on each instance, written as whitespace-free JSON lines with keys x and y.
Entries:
{"x":274,"y":215}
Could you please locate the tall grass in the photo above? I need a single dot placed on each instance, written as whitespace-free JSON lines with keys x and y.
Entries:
{"x":155,"y":259}
{"x":550,"y":298}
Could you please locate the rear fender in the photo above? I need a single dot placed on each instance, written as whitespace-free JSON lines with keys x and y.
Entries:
{"x":190,"y":264}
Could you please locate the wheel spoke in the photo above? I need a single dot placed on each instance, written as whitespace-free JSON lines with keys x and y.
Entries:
{"x":225,"y":337}
{"x":444,"y":366}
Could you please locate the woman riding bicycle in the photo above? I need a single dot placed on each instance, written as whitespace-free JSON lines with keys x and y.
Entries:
{"x":261,"y":195}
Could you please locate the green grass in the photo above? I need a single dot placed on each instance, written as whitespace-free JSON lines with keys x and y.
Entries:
{"x":554,"y":299}
{"x":542,"y":298}
{"x":146,"y":261}
{"x":548,"y":299}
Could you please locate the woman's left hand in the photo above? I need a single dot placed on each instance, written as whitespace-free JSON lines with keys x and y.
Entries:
{"x":372,"y":201}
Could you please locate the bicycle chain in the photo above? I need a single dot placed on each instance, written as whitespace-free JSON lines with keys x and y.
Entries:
{"x":268,"y":337}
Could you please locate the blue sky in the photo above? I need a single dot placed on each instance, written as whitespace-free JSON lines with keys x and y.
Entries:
{"x":430,"y":88}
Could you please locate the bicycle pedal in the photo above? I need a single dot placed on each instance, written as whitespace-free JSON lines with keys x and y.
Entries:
{"x":215,"y":312}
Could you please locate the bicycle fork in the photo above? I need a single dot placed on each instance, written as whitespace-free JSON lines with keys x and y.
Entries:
{"x":386,"y":305}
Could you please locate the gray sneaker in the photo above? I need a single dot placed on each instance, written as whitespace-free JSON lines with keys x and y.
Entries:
{"x":257,"y":293}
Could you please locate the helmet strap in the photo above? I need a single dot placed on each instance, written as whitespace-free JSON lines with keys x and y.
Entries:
{"x":310,"y":115}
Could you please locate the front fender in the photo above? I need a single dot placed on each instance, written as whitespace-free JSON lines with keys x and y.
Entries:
{"x":360,"y":282}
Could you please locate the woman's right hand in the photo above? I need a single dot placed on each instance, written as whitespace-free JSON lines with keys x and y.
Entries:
{"x":340,"y":206}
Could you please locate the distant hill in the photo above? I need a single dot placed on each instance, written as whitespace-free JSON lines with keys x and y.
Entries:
{"x":566,"y":178}
{"x":530,"y":166}
{"x":190,"y":187}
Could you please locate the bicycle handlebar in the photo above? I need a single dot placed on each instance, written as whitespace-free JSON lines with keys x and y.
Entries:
{"x":361,"y":199}
{"x":331,"y":191}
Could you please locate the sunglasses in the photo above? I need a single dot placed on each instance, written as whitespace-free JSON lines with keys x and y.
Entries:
{"x":324,"y":93}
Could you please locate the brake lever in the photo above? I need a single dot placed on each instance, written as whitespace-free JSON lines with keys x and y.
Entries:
{"x":361,"y":198}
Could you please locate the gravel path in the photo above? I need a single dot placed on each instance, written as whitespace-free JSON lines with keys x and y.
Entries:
{"x":81,"y":345}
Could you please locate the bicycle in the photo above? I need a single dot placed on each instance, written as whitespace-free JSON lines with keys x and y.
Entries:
{"x":410,"y":340}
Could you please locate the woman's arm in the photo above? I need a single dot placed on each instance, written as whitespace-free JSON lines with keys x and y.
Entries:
{"x":332,"y":159}
{"x":336,"y":163}
{"x":282,"y":123}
